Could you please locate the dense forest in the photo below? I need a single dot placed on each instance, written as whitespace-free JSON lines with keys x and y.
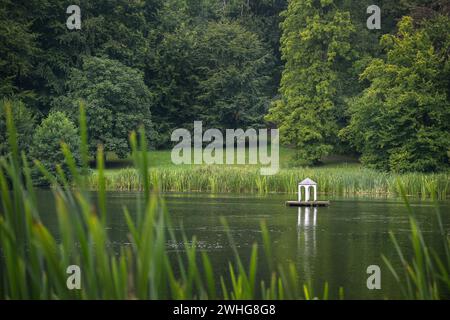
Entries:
{"x":311,"y":68}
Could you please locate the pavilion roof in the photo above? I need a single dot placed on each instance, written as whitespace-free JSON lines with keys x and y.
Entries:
{"x":308,"y":182}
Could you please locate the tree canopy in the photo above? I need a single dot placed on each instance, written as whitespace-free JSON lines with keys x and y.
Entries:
{"x":401,"y":122}
{"x":117,"y":102}
{"x":316,"y":42}
{"x":311,"y":68}
{"x":217,"y":73}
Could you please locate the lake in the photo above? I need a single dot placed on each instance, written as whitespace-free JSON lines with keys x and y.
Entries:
{"x":334,"y":244}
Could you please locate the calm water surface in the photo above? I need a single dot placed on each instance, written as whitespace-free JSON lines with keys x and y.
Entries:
{"x":334,"y":244}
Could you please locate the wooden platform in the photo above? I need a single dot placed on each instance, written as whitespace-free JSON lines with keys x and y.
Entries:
{"x":308,"y":203}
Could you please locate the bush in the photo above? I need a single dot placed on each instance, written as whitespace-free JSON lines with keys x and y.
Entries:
{"x":117,"y":102}
{"x":47,"y":139}
{"x":24,"y":122}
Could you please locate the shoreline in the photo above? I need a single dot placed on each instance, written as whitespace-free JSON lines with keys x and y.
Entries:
{"x":331,"y":181}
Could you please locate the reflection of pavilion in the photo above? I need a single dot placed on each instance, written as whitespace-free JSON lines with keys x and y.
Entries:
{"x":306,"y":238}
{"x":309,"y":219}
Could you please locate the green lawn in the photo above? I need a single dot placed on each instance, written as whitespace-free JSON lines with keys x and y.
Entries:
{"x":162,"y":159}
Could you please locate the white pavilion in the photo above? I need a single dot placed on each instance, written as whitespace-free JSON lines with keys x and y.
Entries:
{"x":307,"y":184}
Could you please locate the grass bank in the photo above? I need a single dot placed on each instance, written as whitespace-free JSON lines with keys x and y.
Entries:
{"x":342,"y":180}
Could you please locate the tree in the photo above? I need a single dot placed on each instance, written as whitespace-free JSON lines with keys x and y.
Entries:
{"x":259,"y":16}
{"x":34,"y":37}
{"x":317,"y":49}
{"x":47,"y":139}
{"x":40,"y":52}
{"x":216,"y":72}
{"x":18,"y":45}
{"x":117,"y":102}
{"x":234,"y":73}
{"x":24,"y":122}
{"x":401,"y":122}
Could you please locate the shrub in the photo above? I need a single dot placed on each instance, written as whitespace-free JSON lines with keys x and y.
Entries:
{"x":117,"y":102}
{"x":47,"y":139}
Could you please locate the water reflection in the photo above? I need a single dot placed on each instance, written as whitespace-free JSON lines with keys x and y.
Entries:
{"x":310,"y":217}
{"x":306,"y":237}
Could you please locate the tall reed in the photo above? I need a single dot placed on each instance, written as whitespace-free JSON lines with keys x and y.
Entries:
{"x":425,"y":274}
{"x":336,"y":181}
{"x":33,"y":261}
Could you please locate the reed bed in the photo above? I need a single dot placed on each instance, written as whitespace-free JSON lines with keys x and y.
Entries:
{"x":235,"y":179}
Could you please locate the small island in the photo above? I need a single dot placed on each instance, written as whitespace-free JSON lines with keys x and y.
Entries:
{"x":306,"y":185}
